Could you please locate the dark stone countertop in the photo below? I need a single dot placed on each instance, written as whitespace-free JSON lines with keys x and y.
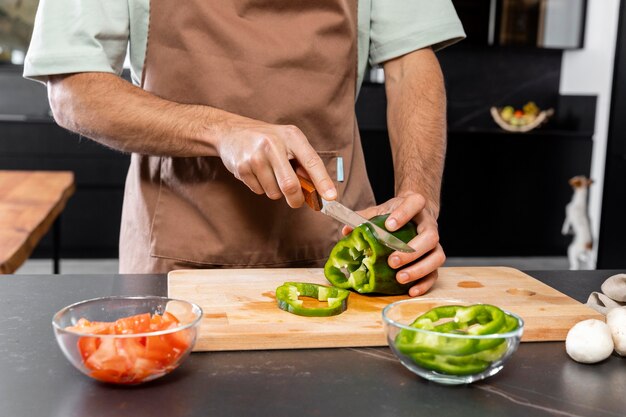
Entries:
{"x":36,"y":380}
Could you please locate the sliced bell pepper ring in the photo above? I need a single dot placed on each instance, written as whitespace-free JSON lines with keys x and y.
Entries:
{"x":461,"y":365}
{"x":475,"y":320}
{"x":454,"y":355}
{"x":455,"y":365}
{"x":359,"y":260}
{"x":288,"y":293}
{"x":510,"y":324}
{"x":415,"y":342}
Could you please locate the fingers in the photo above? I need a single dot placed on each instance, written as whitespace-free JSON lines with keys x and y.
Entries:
{"x":259,"y":155}
{"x":267,"y":179}
{"x":312,"y":163}
{"x":426,"y":240}
{"x":367,"y":213}
{"x":282,"y":176}
{"x":424,"y":284}
{"x":424,"y":266}
{"x":370,"y":212}
{"x":266,"y":172}
{"x":405,"y":211}
{"x":428,"y":255}
{"x":346,"y":230}
{"x":251,"y":181}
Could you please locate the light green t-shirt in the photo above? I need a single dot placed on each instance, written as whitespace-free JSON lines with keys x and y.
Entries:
{"x":93,"y":35}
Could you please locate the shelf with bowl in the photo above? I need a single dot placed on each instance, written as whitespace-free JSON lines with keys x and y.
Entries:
{"x":520,"y":121}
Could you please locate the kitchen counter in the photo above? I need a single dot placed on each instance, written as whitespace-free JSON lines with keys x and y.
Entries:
{"x":36,"y":379}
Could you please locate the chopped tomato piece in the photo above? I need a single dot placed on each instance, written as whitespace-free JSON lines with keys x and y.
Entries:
{"x":159,"y":349}
{"x":134,"y":324}
{"x":129,"y":360}
{"x":107,"y":376}
{"x":87,"y":346}
{"x":180,"y":340}
{"x":169,"y":317}
{"x":92,"y":327}
{"x":157,"y":323}
{"x":107,"y":357}
{"x":145,"y":368}
{"x":131,"y":348}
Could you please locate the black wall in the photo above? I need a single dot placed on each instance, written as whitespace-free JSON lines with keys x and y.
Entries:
{"x":480,"y":77}
{"x":504,"y":194}
{"x":612,"y":243}
{"x":20,"y":97}
{"x":29,"y":139}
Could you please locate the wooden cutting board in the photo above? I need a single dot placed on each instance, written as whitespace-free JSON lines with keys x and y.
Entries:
{"x":240,"y":311}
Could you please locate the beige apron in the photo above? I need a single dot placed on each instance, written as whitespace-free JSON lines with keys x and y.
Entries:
{"x":280,"y":61}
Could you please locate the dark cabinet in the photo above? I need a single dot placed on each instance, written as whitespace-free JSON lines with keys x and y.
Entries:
{"x":503,"y":194}
{"x":478,"y":18}
{"x":612,"y":240}
{"x":557,"y":24}
{"x":30,"y":140}
{"x":91,"y":219}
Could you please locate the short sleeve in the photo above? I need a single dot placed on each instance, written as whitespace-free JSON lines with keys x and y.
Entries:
{"x":402,"y":26}
{"x":73,"y":36}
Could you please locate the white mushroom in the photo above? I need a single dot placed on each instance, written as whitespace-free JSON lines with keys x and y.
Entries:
{"x":589,"y":341}
{"x":616,"y":320}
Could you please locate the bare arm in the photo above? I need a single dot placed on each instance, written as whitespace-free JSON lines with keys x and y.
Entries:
{"x":416,"y":113}
{"x":117,"y":114}
{"x":417,"y":131}
{"x":417,"y":124}
{"x":121,"y":116}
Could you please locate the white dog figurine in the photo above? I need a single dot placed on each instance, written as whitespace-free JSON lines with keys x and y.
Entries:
{"x":577,"y":223}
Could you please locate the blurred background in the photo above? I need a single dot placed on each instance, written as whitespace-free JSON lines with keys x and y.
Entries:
{"x":504,"y":192}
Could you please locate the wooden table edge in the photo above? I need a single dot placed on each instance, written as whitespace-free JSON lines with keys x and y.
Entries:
{"x":13,"y":261}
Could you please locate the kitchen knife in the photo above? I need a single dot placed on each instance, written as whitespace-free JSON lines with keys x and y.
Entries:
{"x":348,"y":217}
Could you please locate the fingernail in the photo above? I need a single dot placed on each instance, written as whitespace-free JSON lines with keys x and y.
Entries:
{"x":392,"y":224}
{"x":402,"y":277}
{"x":414,"y":292}
{"x":394,"y":261}
{"x":330,"y":194}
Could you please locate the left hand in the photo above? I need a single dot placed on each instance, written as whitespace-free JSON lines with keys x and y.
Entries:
{"x":429,"y":253}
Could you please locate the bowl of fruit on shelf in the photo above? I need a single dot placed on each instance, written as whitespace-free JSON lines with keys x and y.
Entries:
{"x":520,"y":120}
{"x":127,"y":340}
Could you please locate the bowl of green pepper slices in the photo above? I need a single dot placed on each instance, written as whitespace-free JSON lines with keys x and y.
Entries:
{"x":450,"y":341}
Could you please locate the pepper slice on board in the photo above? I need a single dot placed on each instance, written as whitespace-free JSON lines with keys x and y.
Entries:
{"x":359,"y":260}
{"x":288,"y":293}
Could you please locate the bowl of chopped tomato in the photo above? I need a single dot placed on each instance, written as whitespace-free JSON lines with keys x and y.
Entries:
{"x":127,"y":340}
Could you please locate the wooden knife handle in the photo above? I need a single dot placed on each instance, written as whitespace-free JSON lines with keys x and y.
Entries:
{"x":311,"y":197}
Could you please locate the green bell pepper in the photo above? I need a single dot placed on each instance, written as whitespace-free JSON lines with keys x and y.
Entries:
{"x":288,"y":293}
{"x":476,"y":319}
{"x":359,"y":260}
{"x":434,"y":350}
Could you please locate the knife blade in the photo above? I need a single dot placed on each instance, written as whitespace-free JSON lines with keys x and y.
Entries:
{"x":348,"y":217}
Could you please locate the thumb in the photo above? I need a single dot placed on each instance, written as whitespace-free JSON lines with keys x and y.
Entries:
{"x":370,"y":212}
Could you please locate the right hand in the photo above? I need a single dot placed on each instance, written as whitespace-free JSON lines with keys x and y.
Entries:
{"x":259,"y":154}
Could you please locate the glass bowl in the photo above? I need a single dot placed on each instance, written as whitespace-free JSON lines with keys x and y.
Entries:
{"x":127,"y":340}
{"x":446,"y":358}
